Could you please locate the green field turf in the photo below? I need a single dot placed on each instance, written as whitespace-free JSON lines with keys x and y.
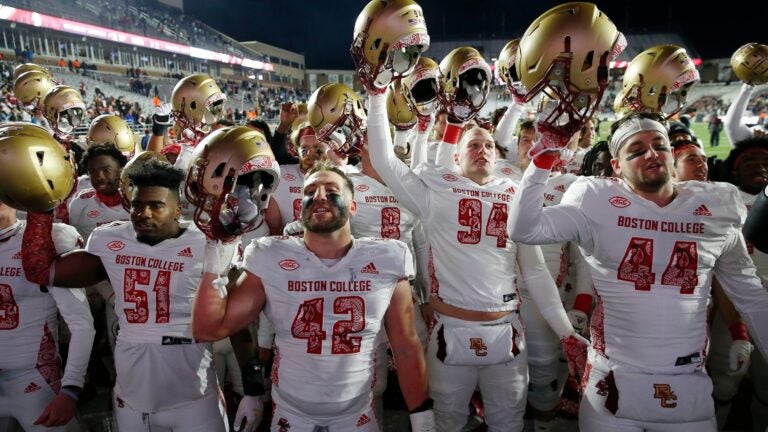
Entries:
{"x":699,"y":129}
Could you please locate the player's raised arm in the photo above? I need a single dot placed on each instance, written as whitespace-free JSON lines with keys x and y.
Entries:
{"x":216,"y":314}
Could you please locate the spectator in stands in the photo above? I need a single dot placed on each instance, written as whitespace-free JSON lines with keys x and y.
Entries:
{"x":76,"y":65}
{"x":145,"y":140}
{"x":61,"y":63}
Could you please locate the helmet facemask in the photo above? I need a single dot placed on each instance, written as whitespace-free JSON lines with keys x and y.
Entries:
{"x":571,"y":108}
{"x":420,"y":89}
{"x":68,"y":119}
{"x":472,"y":87}
{"x":388,"y":39}
{"x":238,"y":197}
{"x":348,"y":137}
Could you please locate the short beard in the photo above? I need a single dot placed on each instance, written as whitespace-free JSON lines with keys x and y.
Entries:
{"x":330,"y":226}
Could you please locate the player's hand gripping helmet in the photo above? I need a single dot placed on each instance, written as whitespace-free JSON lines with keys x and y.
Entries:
{"x":64,"y":109}
{"x":398,"y":112}
{"x":198,"y":103}
{"x":750,"y":63}
{"x":338,"y":118}
{"x":566,"y":53}
{"x":126,"y":185}
{"x":30,"y":88}
{"x":111,"y":129}
{"x":505,"y":66}
{"x":464,"y":80}
{"x":389,"y":37}
{"x":420,"y":88}
{"x":28,"y":67}
{"x":230,"y":179}
{"x":36,"y":173}
{"x":657,"y":81}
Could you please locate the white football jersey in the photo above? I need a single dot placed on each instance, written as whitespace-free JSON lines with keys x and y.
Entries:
{"x":379,"y":214}
{"x":154,"y":285}
{"x":508,"y":169}
{"x":87,"y":211}
{"x":326,"y":318}
{"x":288,"y":195}
{"x":759,"y":258}
{"x":158,"y":363}
{"x":28,"y":312}
{"x":652,"y":268}
{"x":460,"y":212}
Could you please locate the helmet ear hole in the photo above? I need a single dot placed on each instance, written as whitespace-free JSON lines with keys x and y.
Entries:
{"x":588,"y":60}
{"x":219,"y":171}
{"x":193,"y":105}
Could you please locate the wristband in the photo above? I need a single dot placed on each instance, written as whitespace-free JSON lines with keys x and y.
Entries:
{"x":425,"y":406}
{"x":452,"y":133}
{"x":253,"y":378}
{"x":71,"y":391}
{"x":739,"y":331}
{"x":583,"y":303}
{"x":546,"y":159}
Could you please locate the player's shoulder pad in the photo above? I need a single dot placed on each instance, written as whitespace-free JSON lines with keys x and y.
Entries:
{"x":65,"y":238}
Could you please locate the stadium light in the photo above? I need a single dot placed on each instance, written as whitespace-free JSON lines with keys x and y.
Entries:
{"x":22,"y":16}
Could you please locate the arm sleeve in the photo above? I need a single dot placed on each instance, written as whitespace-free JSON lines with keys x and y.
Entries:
{"x":755,"y":227}
{"x":737,"y":276}
{"x":583,"y":279}
{"x":281,"y":153}
{"x":734,"y":128}
{"x":266,"y":333}
{"x":404,"y":183}
{"x":445,"y":155}
{"x":73,"y":306}
{"x":419,"y":150}
{"x":401,"y":138}
{"x":505,"y":130}
{"x":542,"y":289}
{"x":535,"y":224}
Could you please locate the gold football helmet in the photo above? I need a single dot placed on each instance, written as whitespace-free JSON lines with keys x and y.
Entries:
{"x":505,"y":66}
{"x":337,"y":115}
{"x":750,"y":63}
{"x":399,"y":113}
{"x":230,"y":179}
{"x":28,"y":67}
{"x":566,"y":53}
{"x":657,"y":81}
{"x":126,"y":185}
{"x":464,"y":81}
{"x":420,"y":88}
{"x":22,"y":128}
{"x":198,"y":102}
{"x":111,"y":129}
{"x":64,"y":109}
{"x":388,"y":39}
{"x":31,"y":87}
{"x":36,"y":173}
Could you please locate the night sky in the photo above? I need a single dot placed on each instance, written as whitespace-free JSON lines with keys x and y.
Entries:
{"x":322,"y":30}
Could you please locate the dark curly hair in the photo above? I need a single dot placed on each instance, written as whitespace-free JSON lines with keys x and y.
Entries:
{"x":153,"y":172}
{"x":102,"y":150}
